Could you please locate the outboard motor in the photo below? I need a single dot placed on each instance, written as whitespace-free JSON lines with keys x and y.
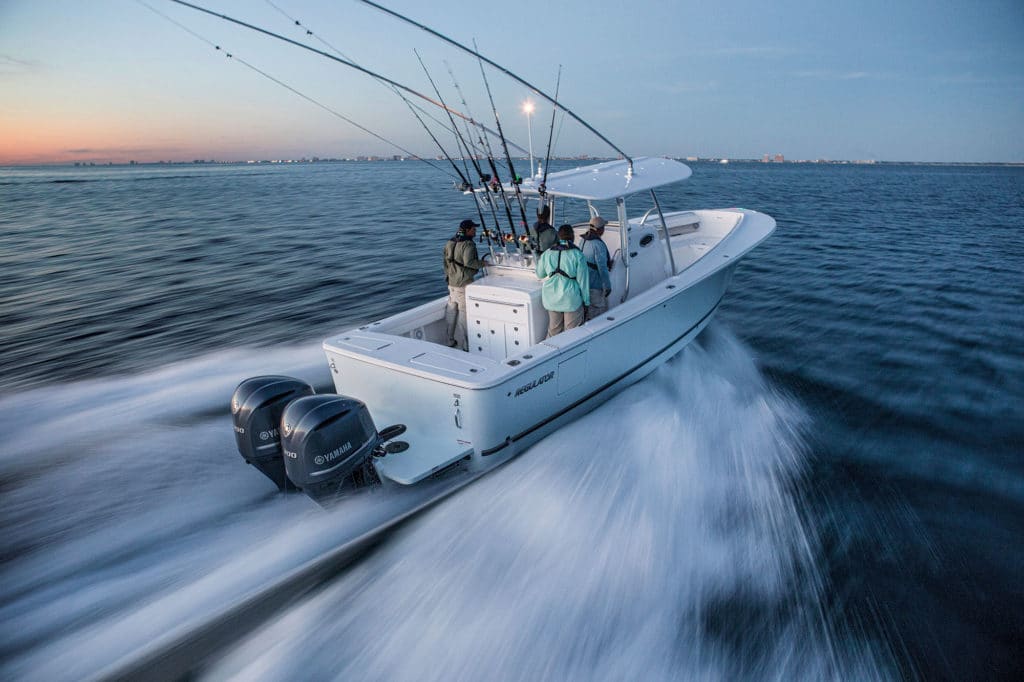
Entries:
{"x":256,"y":409}
{"x":328,"y":443}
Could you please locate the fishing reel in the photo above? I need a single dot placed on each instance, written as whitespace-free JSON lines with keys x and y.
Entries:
{"x":463,"y":186}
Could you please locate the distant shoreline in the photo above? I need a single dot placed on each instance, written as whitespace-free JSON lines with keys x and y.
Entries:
{"x":312,"y":161}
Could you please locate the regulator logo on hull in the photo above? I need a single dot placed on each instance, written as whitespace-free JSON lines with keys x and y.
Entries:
{"x":535,"y":383}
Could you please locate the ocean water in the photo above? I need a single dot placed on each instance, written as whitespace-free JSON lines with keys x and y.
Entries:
{"x":829,"y":484}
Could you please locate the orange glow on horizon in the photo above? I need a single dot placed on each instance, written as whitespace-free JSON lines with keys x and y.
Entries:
{"x":25,"y":141}
{"x":35,"y":141}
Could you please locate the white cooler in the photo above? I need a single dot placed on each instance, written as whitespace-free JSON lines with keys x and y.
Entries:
{"x":506,"y":315}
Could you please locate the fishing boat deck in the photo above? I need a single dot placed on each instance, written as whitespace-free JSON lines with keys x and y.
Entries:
{"x":414,"y":341}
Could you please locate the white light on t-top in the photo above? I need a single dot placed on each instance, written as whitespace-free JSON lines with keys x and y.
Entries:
{"x":528,"y":110}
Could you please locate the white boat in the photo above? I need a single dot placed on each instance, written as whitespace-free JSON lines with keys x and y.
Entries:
{"x":471,"y":411}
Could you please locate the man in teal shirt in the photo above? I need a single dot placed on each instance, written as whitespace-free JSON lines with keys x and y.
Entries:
{"x":566,"y":283}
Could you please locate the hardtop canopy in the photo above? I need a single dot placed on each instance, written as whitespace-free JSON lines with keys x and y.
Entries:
{"x":611,"y":179}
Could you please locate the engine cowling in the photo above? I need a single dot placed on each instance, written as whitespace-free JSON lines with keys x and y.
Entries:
{"x":328,"y":442}
{"x":256,"y":408}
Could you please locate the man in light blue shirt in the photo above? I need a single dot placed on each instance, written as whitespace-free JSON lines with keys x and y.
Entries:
{"x":595,"y":251}
{"x":566,"y":287}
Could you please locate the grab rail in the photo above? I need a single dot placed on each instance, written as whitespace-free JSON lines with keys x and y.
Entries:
{"x":664,"y":232}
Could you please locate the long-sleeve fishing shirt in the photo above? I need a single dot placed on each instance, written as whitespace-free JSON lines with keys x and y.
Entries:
{"x":596,"y":253}
{"x":461,"y":261}
{"x":566,"y":278}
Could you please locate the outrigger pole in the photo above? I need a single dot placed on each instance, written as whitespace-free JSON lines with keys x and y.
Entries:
{"x":340,"y":60}
{"x":303,"y":95}
{"x":499,"y":67}
{"x":413,"y":109}
{"x":309,"y":32}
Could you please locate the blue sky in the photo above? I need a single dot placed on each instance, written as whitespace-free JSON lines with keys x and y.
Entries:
{"x":919,"y":81}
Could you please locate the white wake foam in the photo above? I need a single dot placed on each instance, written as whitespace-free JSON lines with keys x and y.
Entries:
{"x":656,"y":538}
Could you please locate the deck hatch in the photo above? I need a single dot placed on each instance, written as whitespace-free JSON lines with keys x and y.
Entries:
{"x":362,"y":342}
{"x":446,"y":363}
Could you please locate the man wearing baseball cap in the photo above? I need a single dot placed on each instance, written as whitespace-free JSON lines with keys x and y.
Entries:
{"x":596,"y":253}
{"x":461,"y":263}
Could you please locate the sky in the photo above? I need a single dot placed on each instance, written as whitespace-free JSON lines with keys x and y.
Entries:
{"x":906,"y":80}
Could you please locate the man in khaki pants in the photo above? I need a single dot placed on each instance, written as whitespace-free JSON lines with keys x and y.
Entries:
{"x":461,"y":263}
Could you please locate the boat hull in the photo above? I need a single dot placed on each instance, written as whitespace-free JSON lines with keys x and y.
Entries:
{"x":483,"y":423}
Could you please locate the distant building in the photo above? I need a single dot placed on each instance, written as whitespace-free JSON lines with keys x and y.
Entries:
{"x":766,"y":158}
{"x":778,"y":158}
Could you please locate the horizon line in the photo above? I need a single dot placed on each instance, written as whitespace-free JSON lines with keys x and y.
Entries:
{"x":371,"y":158}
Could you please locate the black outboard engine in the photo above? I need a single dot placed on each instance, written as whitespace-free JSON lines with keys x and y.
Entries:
{"x":328,"y":443}
{"x":256,"y":409}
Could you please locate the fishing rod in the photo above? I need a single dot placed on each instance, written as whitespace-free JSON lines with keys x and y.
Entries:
{"x":547,"y":155}
{"x":303,"y":95}
{"x":484,"y":178}
{"x":334,"y":58}
{"x":459,"y":141}
{"x":466,"y":184}
{"x":516,"y":180}
{"x":492,"y":181}
{"x":465,"y":105}
{"x":458,"y":135}
{"x":497,"y":186}
{"x":501,"y":68}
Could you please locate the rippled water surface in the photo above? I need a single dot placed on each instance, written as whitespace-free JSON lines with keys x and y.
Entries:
{"x":829,"y":484}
